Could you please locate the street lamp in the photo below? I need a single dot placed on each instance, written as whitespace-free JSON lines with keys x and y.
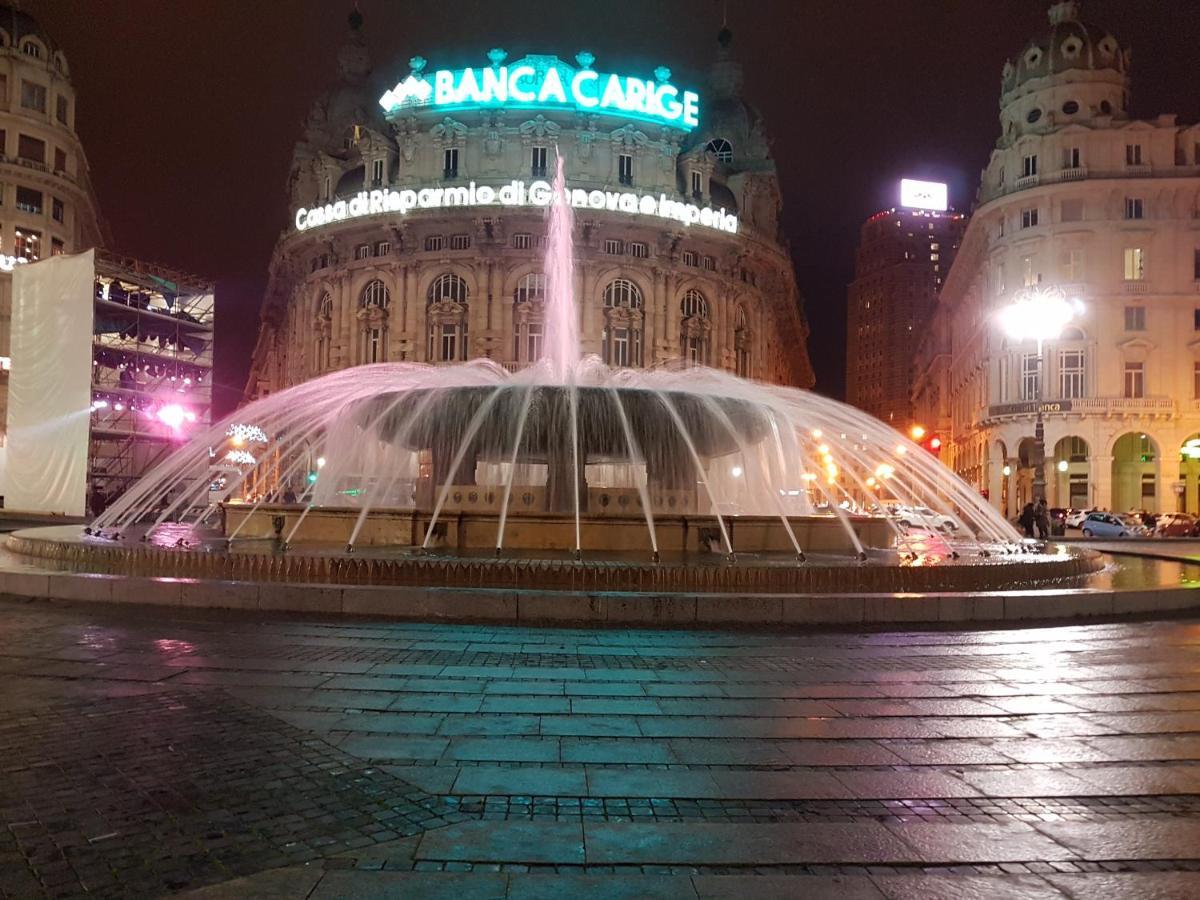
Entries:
{"x":1038,"y":313}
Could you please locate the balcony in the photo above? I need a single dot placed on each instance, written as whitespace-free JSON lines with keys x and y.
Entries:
{"x":1027,"y":182}
{"x":1074,"y":173}
{"x":1136,"y":286}
{"x":1137,"y":171}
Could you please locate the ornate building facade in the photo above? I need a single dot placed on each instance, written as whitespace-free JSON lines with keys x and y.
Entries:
{"x":419,"y":225}
{"x":1078,"y":196}
{"x":47,"y":205}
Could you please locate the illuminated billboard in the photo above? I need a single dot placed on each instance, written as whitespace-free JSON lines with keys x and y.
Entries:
{"x":546,"y":82}
{"x":924,"y":195}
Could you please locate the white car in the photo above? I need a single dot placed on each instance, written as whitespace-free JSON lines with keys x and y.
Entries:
{"x":1075,"y":517}
{"x":922,"y":517}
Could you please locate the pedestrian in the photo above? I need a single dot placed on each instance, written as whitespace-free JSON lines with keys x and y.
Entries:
{"x":1026,"y":520}
{"x":1042,"y":518}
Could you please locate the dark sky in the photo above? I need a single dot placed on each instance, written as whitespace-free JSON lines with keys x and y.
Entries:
{"x":189,"y":109}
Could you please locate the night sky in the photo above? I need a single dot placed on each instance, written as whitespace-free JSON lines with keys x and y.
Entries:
{"x":189,"y":109}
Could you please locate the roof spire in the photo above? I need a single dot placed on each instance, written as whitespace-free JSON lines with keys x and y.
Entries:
{"x":1064,"y":11}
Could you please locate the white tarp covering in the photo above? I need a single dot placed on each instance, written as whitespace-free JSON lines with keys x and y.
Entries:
{"x":49,"y":388}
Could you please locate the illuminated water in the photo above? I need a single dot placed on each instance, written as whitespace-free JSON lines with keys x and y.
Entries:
{"x":567,"y":437}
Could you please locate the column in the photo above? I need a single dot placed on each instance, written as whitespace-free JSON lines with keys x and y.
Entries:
{"x":418,"y":311}
{"x":349,"y":323}
{"x":1100,"y":481}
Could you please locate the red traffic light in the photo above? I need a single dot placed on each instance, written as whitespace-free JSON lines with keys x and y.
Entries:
{"x":935,"y":443}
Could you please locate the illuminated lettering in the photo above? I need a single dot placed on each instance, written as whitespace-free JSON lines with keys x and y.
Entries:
{"x":515,"y":193}
{"x":548,"y":82}
{"x":518,"y":93}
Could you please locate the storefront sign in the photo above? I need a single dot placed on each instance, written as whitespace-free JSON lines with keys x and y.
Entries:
{"x":1031,"y":408}
{"x":515,"y":193}
{"x":546,"y":82}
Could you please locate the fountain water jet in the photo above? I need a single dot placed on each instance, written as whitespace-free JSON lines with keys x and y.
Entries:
{"x":454,"y":460}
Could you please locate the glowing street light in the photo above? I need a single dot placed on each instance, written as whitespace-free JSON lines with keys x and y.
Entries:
{"x":916,"y":432}
{"x":1038,"y":313}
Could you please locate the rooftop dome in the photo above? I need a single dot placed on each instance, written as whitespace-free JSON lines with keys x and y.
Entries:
{"x":19,"y":24}
{"x":1070,"y":44}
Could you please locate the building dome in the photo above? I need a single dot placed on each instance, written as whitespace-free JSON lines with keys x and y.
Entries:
{"x":18,"y":25}
{"x":1070,"y":44}
{"x":1074,"y":70}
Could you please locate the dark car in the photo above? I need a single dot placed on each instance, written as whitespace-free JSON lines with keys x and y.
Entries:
{"x":1176,"y":525}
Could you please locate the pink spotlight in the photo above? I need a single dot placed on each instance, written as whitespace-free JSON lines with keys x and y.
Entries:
{"x":175,"y":415}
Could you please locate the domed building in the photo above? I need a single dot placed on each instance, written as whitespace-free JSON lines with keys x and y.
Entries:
{"x":47,"y":205}
{"x":1079,"y":202}
{"x":418,"y":226}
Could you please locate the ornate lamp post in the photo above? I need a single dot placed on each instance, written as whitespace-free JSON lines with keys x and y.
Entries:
{"x":1039,"y":313}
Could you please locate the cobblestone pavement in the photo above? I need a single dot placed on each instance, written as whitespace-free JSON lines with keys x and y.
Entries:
{"x":146,"y":751}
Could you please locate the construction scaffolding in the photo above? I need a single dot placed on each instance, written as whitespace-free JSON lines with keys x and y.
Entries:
{"x":152,"y":360}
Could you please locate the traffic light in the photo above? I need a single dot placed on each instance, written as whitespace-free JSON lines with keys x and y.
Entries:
{"x":933,"y":444}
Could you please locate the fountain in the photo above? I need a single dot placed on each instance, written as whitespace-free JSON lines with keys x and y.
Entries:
{"x":567,"y":475}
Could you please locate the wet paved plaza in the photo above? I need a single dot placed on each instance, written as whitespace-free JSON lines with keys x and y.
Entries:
{"x":147,"y":751}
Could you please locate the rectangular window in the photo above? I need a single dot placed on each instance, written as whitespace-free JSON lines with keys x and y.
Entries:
{"x":1029,"y":165}
{"x":533,"y":341}
{"x":1196,"y":264}
{"x":690,"y":258}
{"x":60,"y":109}
{"x":460,"y":242}
{"x":638,"y":249}
{"x":620,"y":347}
{"x":435,"y":242}
{"x":450,"y":163}
{"x":1030,"y":377}
{"x":1072,"y":210}
{"x":1135,"y":264}
{"x":1073,"y":265}
{"x":625,"y":168}
{"x":31,"y":148}
{"x":56,"y":209}
{"x":697,"y":185}
{"x":710,"y":264}
{"x":383,"y":248}
{"x":1196,"y":320}
{"x":449,"y":342}
{"x":1133,"y":154}
{"x":1135,"y":380}
{"x":362,"y":251}
{"x":1002,"y":379}
{"x":28,"y":244}
{"x":3,"y":89}
{"x":29,"y":200}
{"x":377,"y":172}
{"x":999,"y":279}
{"x":1070,"y":157}
{"x":1196,"y":380}
{"x":1070,"y":374}
{"x":33,"y":96}
{"x":1029,"y":217}
{"x":1135,"y":318}
{"x":613,"y":247}
{"x":56,"y":247}
{"x":1028,"y":277}
{"x":522,"y":241}
{"x":1134,"y":207}
{"x":537,"y":165}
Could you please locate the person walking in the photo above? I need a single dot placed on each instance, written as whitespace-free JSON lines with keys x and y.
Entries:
{"x":1041,"y":515}
{"x":1026,"y":520}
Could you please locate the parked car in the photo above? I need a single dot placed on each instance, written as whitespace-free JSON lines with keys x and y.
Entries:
{"x":922,"y":517}
{"x":1176,"y":524}
{"x":1075,"y":517}
{"x":1102,"y":524}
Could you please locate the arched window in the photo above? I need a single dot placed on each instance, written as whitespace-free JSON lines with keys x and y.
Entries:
{"x":32,"y":48}
{"x":623,"y":294}
{"x":721,"y":149}
{"x":448,"y":286}
{"x":322,"y":328}
{"x":375,"y":295}
{"x":694,"y":328}
{"x":447,"y":318}
{"x":622,"y":336}
{"x":694,"y":304}
{"x":741,"y":342}
{"x":528,"y":325}
{"x":373,"y":315}
{"x":531,"y":287}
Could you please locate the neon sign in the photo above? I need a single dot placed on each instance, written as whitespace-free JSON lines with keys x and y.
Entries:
{"x":515,"y":193}
{"x":546,"y":82}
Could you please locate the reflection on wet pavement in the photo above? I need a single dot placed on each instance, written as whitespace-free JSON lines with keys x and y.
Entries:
{"x":147,"y":751}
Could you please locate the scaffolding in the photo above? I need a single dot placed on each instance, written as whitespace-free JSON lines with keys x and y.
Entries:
{"x":152,"y":360}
